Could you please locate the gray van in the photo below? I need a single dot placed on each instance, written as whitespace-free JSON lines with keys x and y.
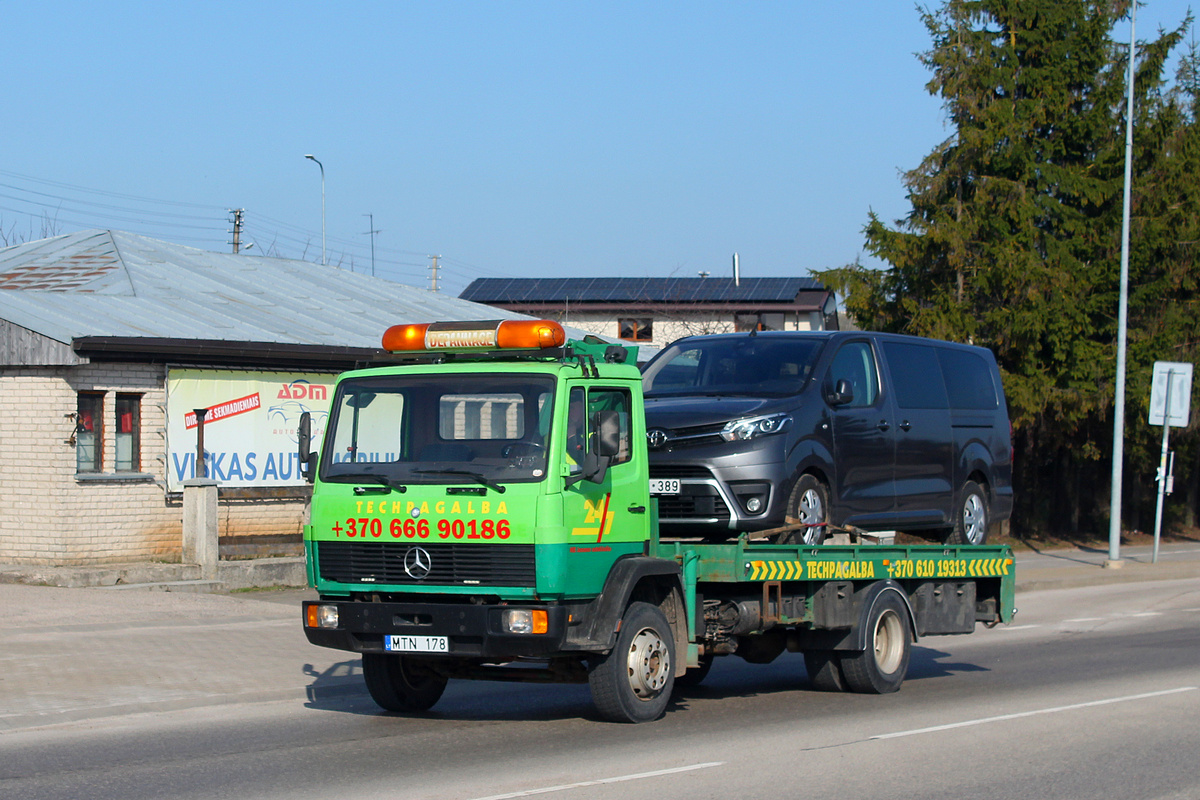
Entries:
{"x":878,"y":431}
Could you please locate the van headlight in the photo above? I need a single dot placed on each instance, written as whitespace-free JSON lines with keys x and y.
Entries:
{"x":753,"y":427}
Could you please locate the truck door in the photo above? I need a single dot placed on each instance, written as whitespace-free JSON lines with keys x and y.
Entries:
{"x":608,"y":516}
{"x":863,"y":444}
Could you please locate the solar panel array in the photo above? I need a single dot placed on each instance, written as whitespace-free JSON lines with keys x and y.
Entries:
{"x":637,"y":290}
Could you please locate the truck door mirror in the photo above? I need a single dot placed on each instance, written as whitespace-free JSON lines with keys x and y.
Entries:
{"x":608,"y":433}
{"x":308,"y":459}
{"x":842,"y":393}
{"x":605,"y":445}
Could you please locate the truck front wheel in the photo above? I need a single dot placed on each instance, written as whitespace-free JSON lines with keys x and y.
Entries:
{"x":633,"y":682}
{"x":881,"y":667}
{"x":400,"y":683}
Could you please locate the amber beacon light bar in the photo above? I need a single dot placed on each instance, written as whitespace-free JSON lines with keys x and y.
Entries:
{"x":509,"y":334}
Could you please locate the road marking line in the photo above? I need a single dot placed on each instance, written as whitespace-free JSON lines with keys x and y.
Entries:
{"x":602,"y":781}
{"x":1054,"y":710}
{"x":1085,"y":619}
{"x":1019,"y":627}
{"x":1146,"y":614}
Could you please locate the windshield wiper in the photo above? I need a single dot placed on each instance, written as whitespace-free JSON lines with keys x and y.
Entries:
{"x":488,"y":482}
{"x":383,"y":480}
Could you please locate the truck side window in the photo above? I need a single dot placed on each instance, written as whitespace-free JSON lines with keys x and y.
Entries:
{"x":855,"y":362}
{"x":576,"y":427}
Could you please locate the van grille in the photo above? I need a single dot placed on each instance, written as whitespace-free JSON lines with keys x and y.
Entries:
{"x":449,"y":564}
{"x":707,"y":505}
{"x":679,"y":471}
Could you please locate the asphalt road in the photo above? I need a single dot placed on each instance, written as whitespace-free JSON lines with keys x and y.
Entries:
{"x":1093,"y":692}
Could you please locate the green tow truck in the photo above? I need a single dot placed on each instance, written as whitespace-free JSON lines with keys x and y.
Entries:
{"x":482,"y":509}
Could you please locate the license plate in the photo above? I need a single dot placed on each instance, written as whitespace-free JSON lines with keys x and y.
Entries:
{"x":664,"y":486}
{"x":416,"y":644}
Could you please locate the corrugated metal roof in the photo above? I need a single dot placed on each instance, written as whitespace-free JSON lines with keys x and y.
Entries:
{"x":638,"y":290}
{"x":112,"y":283}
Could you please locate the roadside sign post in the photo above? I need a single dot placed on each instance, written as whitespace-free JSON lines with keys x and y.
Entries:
{"x":1170,"y":405}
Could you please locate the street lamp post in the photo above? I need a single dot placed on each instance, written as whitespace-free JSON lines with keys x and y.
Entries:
{"x":310,"y":157}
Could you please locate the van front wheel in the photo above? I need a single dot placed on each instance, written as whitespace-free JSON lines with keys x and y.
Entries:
{"x":970,"y":516}
{"x":808,"y":506}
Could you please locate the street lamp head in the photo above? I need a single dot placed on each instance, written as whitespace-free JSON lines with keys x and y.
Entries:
{"x":310,"y":155}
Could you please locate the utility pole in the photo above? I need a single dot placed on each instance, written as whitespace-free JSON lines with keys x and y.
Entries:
{"x":433,"y":268}
{"x":372,"y":233}
{"x":1118,"y":458}
{"x":238,"y":220}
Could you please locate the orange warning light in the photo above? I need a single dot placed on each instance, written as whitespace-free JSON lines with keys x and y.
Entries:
{"x":509,"y":334}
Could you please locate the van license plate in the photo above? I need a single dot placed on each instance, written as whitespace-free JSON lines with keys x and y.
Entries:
{"x":664,"y":486}
{"x":416,"y":644}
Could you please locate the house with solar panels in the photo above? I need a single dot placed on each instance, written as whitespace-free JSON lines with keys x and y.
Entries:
{"x":657,"y":311}
{"x":109,"y":345}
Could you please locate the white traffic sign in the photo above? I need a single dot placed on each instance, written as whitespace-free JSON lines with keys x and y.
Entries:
{"x":1178,"y":376}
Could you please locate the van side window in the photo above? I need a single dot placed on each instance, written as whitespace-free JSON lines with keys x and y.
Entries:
{"x":916,"y":375}
{"x":855,"y":362}
{"x":968,"y":379}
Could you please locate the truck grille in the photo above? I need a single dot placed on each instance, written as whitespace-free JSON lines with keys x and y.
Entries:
{"x":449,"y":564}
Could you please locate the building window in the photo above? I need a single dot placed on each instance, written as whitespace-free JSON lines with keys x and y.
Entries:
{"x":767,"y":321}
{"x":128,"y":440}
{"x":89,"y":432}
{"x":636,"y":329}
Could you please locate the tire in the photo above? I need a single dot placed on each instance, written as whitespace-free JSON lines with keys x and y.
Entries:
{"x":400,"y":683}
{"x":696,"y":675}
{"x":882,"y":666}
{"x":809,"y":503}
{"x":633,"y":682}
{"x":970,"y":516}
{"x":824,"y":669}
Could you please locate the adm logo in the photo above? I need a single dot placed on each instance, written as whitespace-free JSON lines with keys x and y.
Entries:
{"x":417,"y":563}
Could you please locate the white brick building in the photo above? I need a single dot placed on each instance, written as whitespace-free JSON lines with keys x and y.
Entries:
{"x":109,"y":340}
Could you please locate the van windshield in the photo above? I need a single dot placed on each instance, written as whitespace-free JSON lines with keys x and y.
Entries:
{"x":754,"y":366}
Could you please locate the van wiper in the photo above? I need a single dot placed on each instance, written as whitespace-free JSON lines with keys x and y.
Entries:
{"x":489,"y":483}
{"x":383,"y":480}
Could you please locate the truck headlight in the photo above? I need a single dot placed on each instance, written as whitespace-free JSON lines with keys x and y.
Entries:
{"x":321,"y":616}
{"x":753,"y":427}
{"x":525,"y":620}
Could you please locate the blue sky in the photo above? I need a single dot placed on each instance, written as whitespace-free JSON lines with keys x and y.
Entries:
{"x":517,"y":139}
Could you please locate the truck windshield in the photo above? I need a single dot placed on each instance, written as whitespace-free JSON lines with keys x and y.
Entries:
{"x":446,"y":429}
{"x":756,"y":366}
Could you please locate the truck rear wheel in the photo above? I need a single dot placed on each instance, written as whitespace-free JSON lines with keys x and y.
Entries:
{"x":824,"y":669}
{"x":881,"y":667}
{"x":633,"y":682}
{"x":400,"y":683}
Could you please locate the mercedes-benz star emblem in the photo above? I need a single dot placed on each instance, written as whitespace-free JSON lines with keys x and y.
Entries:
{"x":417,"y":563}
{"x":656,"y":438}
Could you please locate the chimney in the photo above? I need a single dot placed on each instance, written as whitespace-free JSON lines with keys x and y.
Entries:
{"x":737,"y":271}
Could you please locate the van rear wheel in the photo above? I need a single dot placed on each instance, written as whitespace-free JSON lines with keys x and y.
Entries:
{"x":970,"y":516}
{"x":809,"y":506}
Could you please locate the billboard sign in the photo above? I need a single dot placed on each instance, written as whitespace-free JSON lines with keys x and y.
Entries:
{"x":250,"y":428}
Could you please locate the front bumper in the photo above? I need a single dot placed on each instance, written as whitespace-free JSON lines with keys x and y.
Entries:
{"x":472,"y":631}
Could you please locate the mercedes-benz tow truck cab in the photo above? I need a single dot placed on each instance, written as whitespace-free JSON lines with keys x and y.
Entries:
{"x":881,"y":432}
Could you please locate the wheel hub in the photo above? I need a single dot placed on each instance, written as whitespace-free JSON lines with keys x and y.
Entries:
{"x":649,"y":664}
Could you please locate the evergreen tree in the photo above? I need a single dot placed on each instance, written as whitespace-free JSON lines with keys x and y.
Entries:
{"x":1013,"y":239}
